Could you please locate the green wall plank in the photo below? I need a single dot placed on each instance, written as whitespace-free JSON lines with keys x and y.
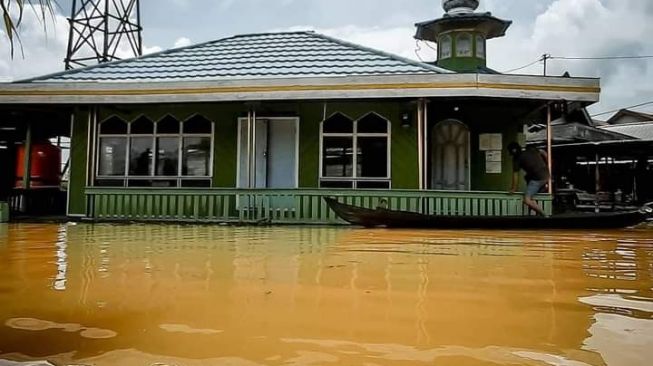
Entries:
{"x":78,"y":160}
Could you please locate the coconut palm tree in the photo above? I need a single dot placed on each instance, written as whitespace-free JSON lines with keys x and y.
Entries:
{"x":13,"y":11}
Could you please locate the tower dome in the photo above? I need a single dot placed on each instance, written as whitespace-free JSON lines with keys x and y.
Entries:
{"x":460,"y":6}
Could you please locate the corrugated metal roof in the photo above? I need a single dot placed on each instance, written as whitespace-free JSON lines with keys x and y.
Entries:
{"x":642,"y":131}
{"x":253,"y":56}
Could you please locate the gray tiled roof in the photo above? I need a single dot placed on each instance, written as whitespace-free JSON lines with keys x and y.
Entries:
{"x":254,"y":56}
{"x":641,"y":130}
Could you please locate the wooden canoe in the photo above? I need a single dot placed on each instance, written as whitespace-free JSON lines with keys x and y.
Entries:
{"x":381,"y":217}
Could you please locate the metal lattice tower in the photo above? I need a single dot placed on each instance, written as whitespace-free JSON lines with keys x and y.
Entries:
{"x":103,"y":31}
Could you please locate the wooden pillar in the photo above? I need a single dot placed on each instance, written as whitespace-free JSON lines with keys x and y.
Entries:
{"x":549,"y":146}
{"x":597,"y":183}
{"x":420,"y":143}
{"x":249,"y":148}
{"x":425,"y":142}
{"x":252,"y":152}
{"x":27,"y":157}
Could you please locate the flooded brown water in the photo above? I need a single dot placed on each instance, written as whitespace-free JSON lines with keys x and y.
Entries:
{"x":207,"y":295}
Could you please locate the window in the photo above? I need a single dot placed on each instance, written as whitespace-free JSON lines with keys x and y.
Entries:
{"x":445,"y":47}
{"x":480,"y":46}
{"x":143,"y":153}
{"x":464,"y":45}
{"x":355,"y":154}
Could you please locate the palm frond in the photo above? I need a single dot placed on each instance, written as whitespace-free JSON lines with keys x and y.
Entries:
{"x":42,"y":8}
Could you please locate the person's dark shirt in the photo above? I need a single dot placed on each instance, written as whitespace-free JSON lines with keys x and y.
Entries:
{"x":532,"y":162}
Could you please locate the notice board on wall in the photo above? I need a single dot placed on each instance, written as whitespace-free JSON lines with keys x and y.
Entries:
{"x":492,"y":145}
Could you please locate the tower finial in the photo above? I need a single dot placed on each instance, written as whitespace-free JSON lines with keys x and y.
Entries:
{"x":460,"y":6}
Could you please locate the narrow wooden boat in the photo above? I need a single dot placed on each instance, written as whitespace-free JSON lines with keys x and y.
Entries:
{"x":381,"y":217}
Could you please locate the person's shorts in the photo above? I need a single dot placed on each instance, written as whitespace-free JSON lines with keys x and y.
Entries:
{"x":534,"y":187}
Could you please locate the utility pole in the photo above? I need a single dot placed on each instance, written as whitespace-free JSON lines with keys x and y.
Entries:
{"x":102,"y":31}
{"x":544,"y":59}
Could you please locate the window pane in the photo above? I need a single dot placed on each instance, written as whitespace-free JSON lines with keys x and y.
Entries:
{"x":112,"y":156}
{"x":109,"y":183}
{"x":338,"y":123}
{"x":372,"y":185}
{"x":142,"y":126}
{"x":140,"y":156}
{"x":445,"y":47}
{"x":372,"y":123}
{"x":167,"y":156}
{"x":168,"y":124}
{"x":113,"y":126}
{"x":464,"y":45}
{"x":336,"y":184}
{"x":480,"y":47}
{"x":337,"y":157}
{"x":197,"y":124}
{"x":196,"y":156}
{"x":152,"y":183}
{"x":372,"y":157}
{"x":196,"y":183}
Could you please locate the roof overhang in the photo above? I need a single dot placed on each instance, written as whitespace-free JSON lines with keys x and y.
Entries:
{"x":583,"y":90}
{"x":491,"y":26}
{"x":632,"y":148}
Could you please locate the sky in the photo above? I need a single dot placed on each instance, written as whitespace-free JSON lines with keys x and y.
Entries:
{"x":563,"y":28}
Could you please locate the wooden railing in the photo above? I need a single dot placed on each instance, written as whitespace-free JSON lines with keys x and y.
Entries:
{"x":4,"y":212}
{"x":292,"y":206}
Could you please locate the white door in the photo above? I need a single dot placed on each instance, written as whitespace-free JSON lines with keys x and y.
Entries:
{"x":269,"y":159}
{"x":450,"y":156}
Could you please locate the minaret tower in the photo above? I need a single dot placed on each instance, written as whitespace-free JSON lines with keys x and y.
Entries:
{"x":461,"y":35}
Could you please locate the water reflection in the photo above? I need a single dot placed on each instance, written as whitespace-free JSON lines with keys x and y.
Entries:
{"x":145,"y":294}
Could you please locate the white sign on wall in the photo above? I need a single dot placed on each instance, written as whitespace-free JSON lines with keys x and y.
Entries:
{"x":490,"y":141}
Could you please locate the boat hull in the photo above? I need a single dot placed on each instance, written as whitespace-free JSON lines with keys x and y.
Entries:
{"x":402,"y":219}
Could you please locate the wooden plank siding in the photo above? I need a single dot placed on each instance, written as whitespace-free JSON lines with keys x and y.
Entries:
{"x":290,"y":206}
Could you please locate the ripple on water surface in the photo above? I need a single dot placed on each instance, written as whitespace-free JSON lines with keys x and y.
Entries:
{"x":199,"y":295}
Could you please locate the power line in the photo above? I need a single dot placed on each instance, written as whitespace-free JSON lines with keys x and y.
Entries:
{"x":618,"y":109}
{"x":601,"y":58}
{"x":523,"y":67}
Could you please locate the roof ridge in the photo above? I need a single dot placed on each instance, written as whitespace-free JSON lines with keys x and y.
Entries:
{"x":382,"y":53}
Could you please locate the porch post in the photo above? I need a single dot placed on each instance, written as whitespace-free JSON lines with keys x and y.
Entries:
{"x":420,"y":143}
{"x":597,"y":183}
{"x":27,"y":157}
{"x":549,"y":147}
{"x":425,"y":119}
{"x":249,"y":148}
{"x":252,"y":153}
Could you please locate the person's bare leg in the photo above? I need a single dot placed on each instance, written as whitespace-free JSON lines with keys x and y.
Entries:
{"x":528,"y":201}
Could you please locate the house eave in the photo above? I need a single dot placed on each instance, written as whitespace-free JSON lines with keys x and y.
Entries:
{"x":585,"y":90}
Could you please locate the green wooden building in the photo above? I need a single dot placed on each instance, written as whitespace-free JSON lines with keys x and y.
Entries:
{"x":260,"y":127}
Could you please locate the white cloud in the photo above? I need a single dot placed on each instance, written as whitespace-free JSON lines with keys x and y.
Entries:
{"x":558,"y":27}
{"x":43,"y":49}
{"x":182,"y":42}
{"x":588,"y":28}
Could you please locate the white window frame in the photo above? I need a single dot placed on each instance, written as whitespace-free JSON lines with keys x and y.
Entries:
{"x":179,"y":178}
{"x":355,"y":179}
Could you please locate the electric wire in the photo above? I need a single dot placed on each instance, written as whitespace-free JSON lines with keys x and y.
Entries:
{"x":618,"y":109}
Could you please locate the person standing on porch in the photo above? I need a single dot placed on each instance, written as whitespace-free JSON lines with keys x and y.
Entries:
{"x":534,"y":163}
